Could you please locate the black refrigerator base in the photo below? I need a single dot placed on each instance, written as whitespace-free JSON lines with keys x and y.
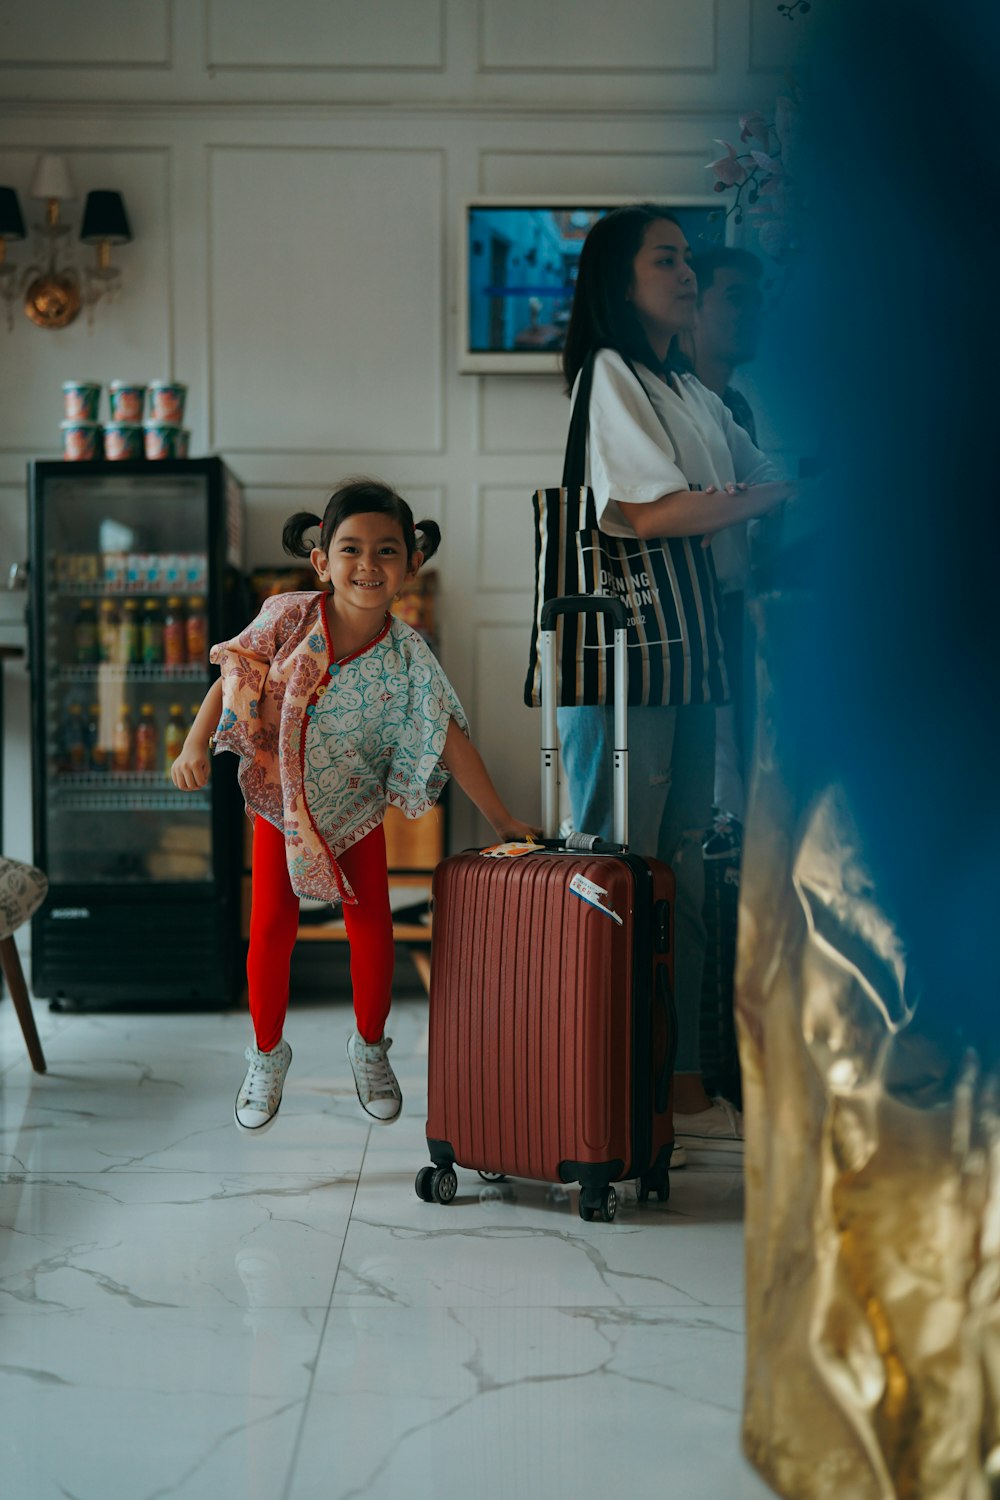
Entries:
{"x":121,"y":951}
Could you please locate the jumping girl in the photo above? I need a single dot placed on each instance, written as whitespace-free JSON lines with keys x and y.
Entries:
{"x":336,"y":709}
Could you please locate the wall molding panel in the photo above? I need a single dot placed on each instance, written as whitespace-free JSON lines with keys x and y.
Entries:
{"x":521,"y":36}
{"x":64,"y":34}
{"x":321,"y":299}
{"x":327,"y":36}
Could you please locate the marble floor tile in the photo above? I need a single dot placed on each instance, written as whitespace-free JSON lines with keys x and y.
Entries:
{"x":524,"y":1243}
{"x":498,"y":1402}
{"x":119,"y":1403}
{"x":172,"y":1239}
{"x":147,"y":1100}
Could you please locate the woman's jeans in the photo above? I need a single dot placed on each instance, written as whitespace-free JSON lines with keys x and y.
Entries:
{"x":671,"y":770}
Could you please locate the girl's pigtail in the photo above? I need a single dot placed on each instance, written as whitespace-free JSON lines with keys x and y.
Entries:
{"x":428,"y":538}
{"x":294,"y":530}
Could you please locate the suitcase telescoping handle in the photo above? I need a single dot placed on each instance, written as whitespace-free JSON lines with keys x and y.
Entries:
{"x":583,"y":604}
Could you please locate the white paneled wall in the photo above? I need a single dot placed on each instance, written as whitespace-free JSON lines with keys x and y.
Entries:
{"x":293,"y":174}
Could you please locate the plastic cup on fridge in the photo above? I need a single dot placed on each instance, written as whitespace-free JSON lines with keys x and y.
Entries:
{"x":126,"y":401}
{"x":166,"y":401}
{"x":81,"y":399}
{"x":161,"y":439}
{"x":122,"y":441}
{"x":81,"y":441}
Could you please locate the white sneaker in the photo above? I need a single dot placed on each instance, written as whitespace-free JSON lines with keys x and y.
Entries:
{"x":712,"y":1137}
{"x":259,"y":1097}
{"x":378,"y":1091}
{"x":678,"y":1157}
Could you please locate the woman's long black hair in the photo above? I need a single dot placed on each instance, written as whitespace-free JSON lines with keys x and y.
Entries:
{"x":602,"y":317}
{"x":355,"y":497}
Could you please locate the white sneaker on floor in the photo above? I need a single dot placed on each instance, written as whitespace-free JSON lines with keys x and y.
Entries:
{"x":259,"y":1097}
{"x":678,"y":1156}
{"x":712,"y":1137}
{"x":378,"y":1091}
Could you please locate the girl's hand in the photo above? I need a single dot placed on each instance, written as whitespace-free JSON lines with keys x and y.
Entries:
{"x":190,"y":770}
{"x":512,"y":830}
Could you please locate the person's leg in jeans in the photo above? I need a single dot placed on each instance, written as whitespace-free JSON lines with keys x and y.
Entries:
{"x":686,"y":816}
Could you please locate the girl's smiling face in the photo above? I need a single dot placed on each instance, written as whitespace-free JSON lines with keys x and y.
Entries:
{"x":367,"y":564}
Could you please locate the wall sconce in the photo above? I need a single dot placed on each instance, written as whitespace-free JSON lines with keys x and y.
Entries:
{"x":54,"y":288}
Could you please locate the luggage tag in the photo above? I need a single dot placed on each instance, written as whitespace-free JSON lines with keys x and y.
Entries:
{"x":591,"y":893}
{"x":510,"y":850}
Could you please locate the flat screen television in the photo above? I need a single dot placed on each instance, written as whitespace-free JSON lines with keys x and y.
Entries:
{"x":518,"y":264}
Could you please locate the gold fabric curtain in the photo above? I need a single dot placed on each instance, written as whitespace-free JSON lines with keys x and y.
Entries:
{"x":872,"y":1171}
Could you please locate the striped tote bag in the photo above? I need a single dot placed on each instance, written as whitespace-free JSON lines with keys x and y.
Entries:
{"x":668,"y":586}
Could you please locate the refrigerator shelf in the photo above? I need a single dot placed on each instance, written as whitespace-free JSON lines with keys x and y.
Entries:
{"x":107,"y":591}
{"x":117,"y":781}
{"x":108,"y":672}
{"x":107,"y":799}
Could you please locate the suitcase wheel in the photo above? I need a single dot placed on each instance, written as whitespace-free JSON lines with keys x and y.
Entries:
{"x":423,"y":1184}
{"x":493,"y":1176}
{"x":444,"y":1185}
{"x":604,"y":1203}
{"x":658,"y":1182}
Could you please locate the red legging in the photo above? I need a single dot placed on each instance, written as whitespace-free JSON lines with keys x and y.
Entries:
{"x":274,"y":921}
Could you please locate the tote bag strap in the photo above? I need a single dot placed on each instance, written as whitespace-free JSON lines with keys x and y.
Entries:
{"x":575,"y":462}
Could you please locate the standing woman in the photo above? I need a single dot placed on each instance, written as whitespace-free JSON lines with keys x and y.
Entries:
{"x":654,"y":432}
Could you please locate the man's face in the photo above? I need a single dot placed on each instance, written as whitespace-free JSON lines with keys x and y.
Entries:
{"x":729,"y":317}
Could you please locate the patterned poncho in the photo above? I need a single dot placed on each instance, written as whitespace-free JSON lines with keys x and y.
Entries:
{"x":326,"y":745}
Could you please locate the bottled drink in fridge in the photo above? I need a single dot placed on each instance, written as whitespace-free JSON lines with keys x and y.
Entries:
{"x":74,"y":739}
{"x":174,"y":735}
{"x":152,"y":635}
{"x":130,"y":635}
{"x":146,"y":740}
{"x":85,"y":634}
{"x":122,"y":745}
{"x":196,"y":632}
{"x":108,"y":631}
{"x":97,"y":754}
{"x":174,"y":634}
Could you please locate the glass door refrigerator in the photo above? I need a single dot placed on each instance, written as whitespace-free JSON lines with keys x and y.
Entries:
{"x":134,"y":573}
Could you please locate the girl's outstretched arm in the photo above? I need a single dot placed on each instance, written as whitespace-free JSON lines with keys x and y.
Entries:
{"x":190,"y":770}
{"x":466,"y":765}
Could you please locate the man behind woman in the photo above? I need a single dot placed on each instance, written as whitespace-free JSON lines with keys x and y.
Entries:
{"x":666,"y":461}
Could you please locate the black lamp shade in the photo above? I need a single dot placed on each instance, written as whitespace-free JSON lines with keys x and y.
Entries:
{"x":104,"y":218}
{"x":11,"y":222}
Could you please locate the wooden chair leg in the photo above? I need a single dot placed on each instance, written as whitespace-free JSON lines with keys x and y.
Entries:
{"x":14,"y":975}
{"x":422,"y":963}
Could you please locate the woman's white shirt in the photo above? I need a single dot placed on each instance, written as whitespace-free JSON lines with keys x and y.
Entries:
{"x":644,"y":443}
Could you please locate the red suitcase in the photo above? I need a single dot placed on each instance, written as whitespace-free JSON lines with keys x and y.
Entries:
{"x":552,"y":1021}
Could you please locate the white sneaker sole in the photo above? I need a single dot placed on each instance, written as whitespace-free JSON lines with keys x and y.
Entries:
{"x":255,"y":1129}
